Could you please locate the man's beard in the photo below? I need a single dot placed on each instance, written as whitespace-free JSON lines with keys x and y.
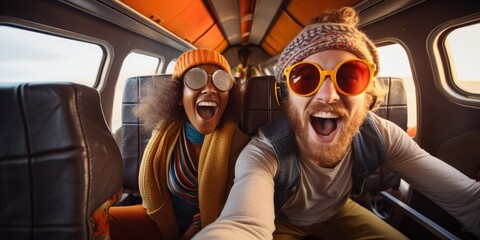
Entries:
{"x":325,"y":154}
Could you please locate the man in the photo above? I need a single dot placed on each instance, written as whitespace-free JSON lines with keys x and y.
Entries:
{"x":295,"y":177}
{"x":244,"y":71}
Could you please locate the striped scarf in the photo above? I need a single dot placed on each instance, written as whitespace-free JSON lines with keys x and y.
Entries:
{"x":182,"y":179}
{"x":213,"y":173}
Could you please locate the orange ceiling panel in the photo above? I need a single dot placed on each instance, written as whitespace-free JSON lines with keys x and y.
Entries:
{"x":273,"y":43}
{"x":161,"y":11}
{"x":193,"y":22}
{"x":270,"y":51}
{"x":284,"y":30}
{"x":304,"y":10}
{"x":246,"y":13}
{"x":222,"y":47}
{"x":211,"y":39}
{"x":245,"y":29}
{"x":188,"y":19}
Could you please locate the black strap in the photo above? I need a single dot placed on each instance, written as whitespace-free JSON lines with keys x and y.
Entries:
{"x":287,"y":177}
{"x":368,"y":151}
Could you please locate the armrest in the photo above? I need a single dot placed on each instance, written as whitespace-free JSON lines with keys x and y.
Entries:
{"x":433,"y":227}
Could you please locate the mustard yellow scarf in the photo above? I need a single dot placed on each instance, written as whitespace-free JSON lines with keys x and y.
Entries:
{"x":213,"y":175}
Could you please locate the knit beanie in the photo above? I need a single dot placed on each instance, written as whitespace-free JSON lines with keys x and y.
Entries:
{"x":330,"y":30}
{"x":197,"y":57}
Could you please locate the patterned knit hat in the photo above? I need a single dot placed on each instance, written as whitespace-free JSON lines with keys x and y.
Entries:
{"x":197,"y":57}
{"x":330,"y":30}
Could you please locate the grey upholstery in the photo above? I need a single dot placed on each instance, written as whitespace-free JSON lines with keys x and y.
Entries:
{"x":58,"y":160}
{"x":134,"y":139}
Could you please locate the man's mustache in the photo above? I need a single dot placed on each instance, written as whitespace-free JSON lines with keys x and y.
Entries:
{"x":335,"y":108}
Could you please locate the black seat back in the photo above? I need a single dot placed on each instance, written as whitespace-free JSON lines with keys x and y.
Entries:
{"x":394,"y":107}
{"x":58,"y":161}
{"x":259,"y":104}
{"x":134,"y":139}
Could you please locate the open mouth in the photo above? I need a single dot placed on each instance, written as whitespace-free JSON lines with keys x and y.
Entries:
{"x":324,"y":123}
{"x":206,"y":110}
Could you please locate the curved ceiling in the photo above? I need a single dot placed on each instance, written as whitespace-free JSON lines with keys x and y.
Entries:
{"x":218,"y":24}
{"x":221,"y":24}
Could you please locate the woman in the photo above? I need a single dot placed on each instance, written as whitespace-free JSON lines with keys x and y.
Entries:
{"x":187,"y":167}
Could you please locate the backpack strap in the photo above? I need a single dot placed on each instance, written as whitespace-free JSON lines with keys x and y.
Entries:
{"x":369,"y":152}
{"x":287,"y":177}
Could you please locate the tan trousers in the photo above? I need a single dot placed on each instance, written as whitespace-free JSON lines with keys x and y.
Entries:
{"x":352,"y":222}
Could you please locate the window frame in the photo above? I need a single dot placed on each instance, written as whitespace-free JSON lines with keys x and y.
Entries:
{"x":105,"y":47}
{"x":416,"y":99}
{"x":115,"y":125}
{"x":439,"y":59}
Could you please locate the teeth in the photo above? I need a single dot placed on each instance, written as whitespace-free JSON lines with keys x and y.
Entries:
{"x":207,"y":104}
{"x":325,"y":115}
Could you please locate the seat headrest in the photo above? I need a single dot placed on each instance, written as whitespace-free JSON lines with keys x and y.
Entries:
{"x":134,"y":139}
{"x":58,"y":160}
{"x":394,"y":107}
{"x":259,"y":104}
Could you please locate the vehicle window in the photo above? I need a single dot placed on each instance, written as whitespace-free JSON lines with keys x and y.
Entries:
{"x":28,"y":56}
{"x":135,"y":64}
{"x":170,"y":66}
{"x":463,"y":50}
{"x":267,"y":71}
{"x":394,"y":63}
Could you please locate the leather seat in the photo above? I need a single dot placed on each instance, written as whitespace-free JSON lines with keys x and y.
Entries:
{"x":134,"y":139}
{"x":60,"y":167}
{"x":394,"y":106}
{"x":259,"y":104}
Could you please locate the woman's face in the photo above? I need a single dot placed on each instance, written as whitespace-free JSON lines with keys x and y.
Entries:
{"x":205,"y":107}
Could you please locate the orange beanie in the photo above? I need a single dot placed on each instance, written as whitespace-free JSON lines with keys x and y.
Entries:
{"x":197,"y":57}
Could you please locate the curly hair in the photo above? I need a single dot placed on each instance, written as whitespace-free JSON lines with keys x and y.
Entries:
{"x":344,"y":15}
{"x":161,"y":102}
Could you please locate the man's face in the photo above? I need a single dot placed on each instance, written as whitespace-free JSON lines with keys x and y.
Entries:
{"x":205,"y":107}
{"x":244,"y":57}
{"x":325,"y":122}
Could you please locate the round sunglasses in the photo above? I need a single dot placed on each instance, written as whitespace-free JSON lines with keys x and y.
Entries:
{"x":197,"y":78}
{"x":350,"y":77}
